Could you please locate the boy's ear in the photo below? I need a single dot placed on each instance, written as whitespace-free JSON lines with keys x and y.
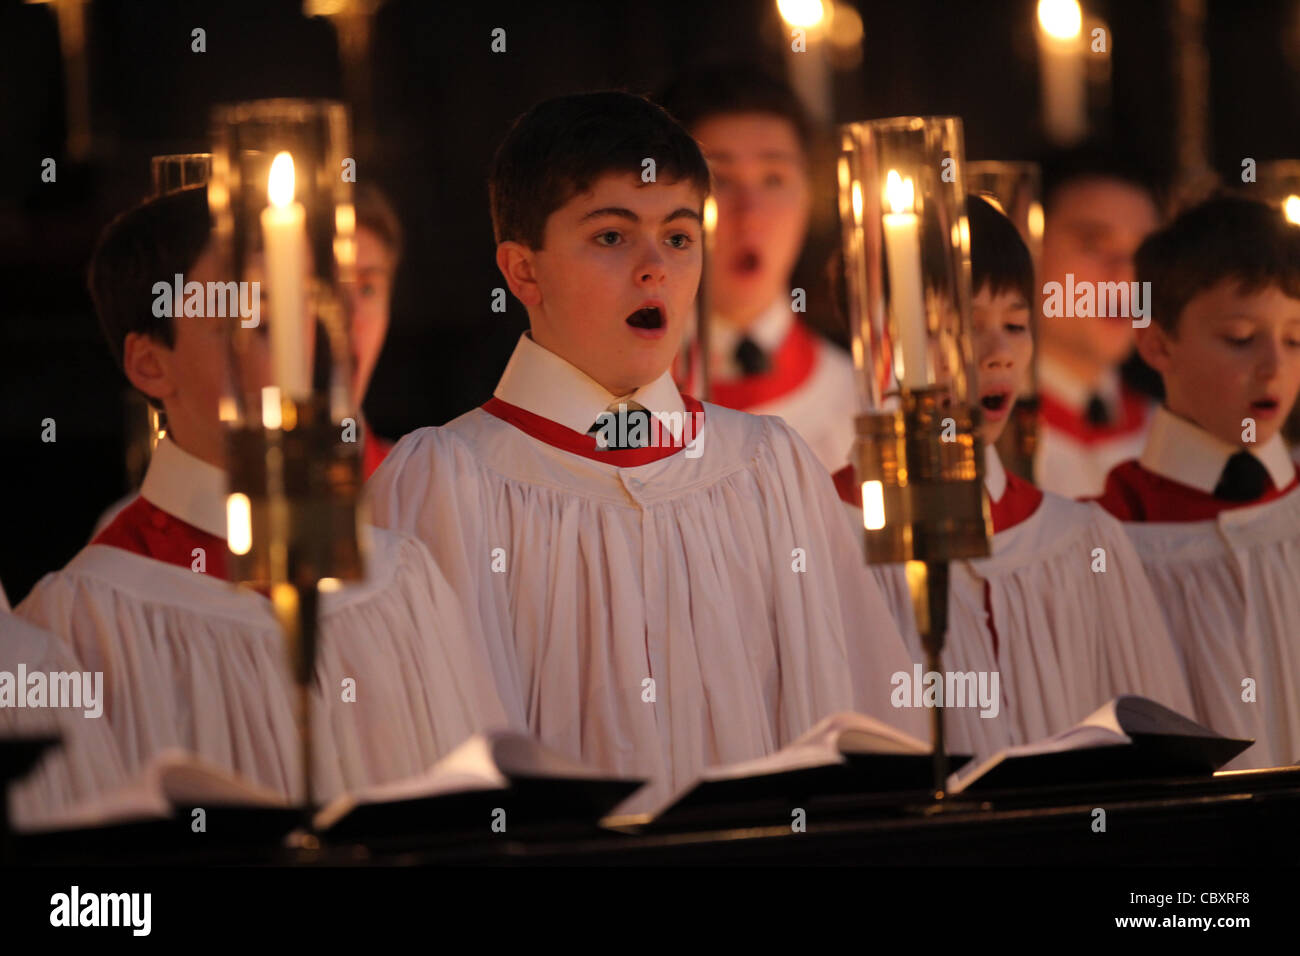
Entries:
{"x":148,"y":366}
{"x":1153,"y":344}
{"x":516,"y":262}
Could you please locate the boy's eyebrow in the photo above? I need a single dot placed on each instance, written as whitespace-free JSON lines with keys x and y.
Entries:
{"x":624,"y":213}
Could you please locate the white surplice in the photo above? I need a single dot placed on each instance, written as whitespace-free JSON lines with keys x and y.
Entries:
{"x":1230,"y":589}
{"x":193,"y":662}
{"x":1073,"y":456}
{"x":87,"y":763}
{"x":700,"y":609}
{"x":1068,"y":638}
{"x":819,"y":406}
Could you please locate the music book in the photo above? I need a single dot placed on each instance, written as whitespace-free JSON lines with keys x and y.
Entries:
{"x":844,"y":753}
{"x":1128,"y":738}
{"x":490,"y":771}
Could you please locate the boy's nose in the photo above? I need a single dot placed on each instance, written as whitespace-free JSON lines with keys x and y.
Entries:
{"x":995,"y":352}
{"x":1269,"y":361}
{"x":651,"y":271}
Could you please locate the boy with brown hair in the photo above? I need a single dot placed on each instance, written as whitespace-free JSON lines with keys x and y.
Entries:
{"x":687,"y":594}
{"x":1213,"y":499}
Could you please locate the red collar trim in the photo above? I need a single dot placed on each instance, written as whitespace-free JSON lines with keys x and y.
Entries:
{"x":792,"y":365}
{"x":578,"y":443}
{"x":1133,"y":493}
{"x":1135,"y":412}
{"x":1019,"y":501}
{"x":145,"y":529}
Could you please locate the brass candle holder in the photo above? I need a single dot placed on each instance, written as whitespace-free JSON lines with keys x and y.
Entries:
{"x":907,"y":271}
{"x":284,"y":219}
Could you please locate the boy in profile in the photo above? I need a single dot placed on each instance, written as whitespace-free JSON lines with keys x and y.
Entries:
{"x":190,"y":661}
{"x":1062,"y":635}
{"x":763,"y":358}
{"x":1213,"y":498}
{"x":672,"y":606}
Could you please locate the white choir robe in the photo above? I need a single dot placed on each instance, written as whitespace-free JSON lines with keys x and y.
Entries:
{"x":655,"y":596}
{"x":86,"y":764}
{"x":193,"y":662}
{"x":1074,"y":456}
{"x":1228,"y":578}
{"x":1068,"y":638}
{"x":810,"y":384}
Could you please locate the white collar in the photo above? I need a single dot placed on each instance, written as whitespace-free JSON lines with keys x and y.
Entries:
{"x":768,"y":331}
{"x":1074,"y":392}
{"x":1188,"y":454}
{"x":995,"y":475}
{"x":539,"y":381}
{"x":187,"y":487}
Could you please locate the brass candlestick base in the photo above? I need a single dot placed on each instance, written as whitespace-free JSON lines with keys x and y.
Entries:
{"x":922,"y":469}
{"x":303,"y":483}
{"x":929,"y":466}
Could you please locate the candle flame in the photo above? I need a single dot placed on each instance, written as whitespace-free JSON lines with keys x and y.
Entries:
{"x":1061,"y":19}
{"x":899,"y":193}
{"x":1291,"y":209}
{"x":280,"y":183}
{"x":710,"y":214}
{"x":801,"y":13}
{"x":857,"y":202}
{"x":1035,"y":219}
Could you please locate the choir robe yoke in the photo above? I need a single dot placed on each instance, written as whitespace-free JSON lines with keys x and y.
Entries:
{"x":1061,"y":611}
{"x":703,"y":608}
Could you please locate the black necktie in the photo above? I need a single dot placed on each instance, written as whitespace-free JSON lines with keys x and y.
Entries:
{"x":1244,"y":478}
{"x":1097,"y":413}
{"x":629,"y":428}
{"x":751,"y":358}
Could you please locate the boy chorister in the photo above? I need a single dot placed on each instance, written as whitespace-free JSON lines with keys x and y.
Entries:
{"x":1098,"y":207}
{"x":676,"y":577}
{"x":1061,"y":610}
{"x":190,"y":661}
{"x":763,"y":358}
{"x":1213,"y":497}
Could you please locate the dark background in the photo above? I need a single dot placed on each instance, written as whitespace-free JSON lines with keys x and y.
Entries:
{"x":441,"y":101}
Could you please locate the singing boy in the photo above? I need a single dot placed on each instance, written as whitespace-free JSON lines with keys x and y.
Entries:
{"x":1213,"y":500}
{"x":692,"y":602}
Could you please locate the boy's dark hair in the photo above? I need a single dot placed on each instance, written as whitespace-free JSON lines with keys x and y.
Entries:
{"x":728,"y":88}
{"x":560,"y":147}
{"x":146,"y":244}
{"x":1093,"y":161}
{"x":376,"y":213}
{"x":999,"y":258}
{"x":1225,"y":237}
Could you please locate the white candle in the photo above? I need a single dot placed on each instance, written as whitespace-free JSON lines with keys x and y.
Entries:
{"x":906,"y":295}
{"x":284,"y":239}
{"x":1061,"y":67}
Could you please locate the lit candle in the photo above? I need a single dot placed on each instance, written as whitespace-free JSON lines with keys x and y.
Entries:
{"x":284,"y":238}
{"x":1061,"y":67}
{"x":906,"y":295}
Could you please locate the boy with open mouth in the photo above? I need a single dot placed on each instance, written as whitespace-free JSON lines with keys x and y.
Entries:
{"x":1213,"y":499}
{"x":667,"y":611}
{"x":1061,"y":610}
